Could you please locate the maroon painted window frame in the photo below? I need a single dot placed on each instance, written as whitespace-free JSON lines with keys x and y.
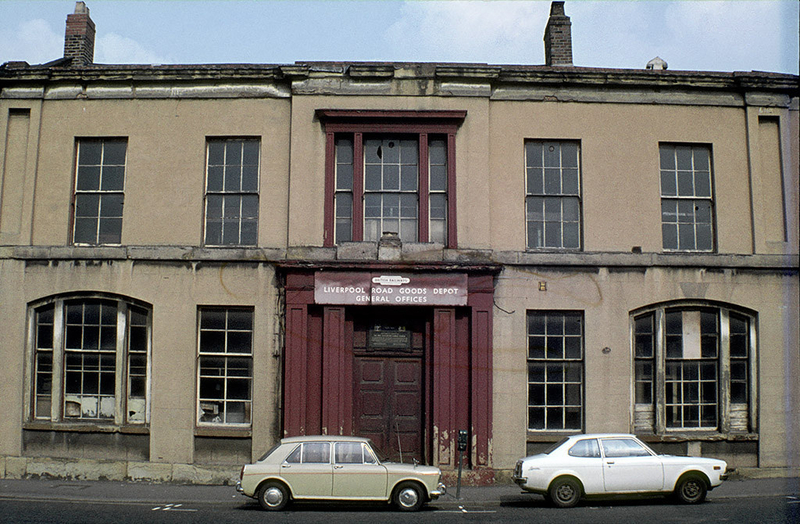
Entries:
{"x":361,"y":122}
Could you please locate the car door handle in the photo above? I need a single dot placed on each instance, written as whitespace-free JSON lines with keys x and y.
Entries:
{"x":609,"y":462}
{"x":338,"y":467}
{"x":285,"y":466}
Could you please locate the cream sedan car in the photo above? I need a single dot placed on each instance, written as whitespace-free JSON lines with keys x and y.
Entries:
{"x":611,"y":464}
{"x":332,"y":468}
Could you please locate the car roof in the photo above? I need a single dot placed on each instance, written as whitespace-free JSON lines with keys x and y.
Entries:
{"x":601,"y":435}
{"x":326,"y":438}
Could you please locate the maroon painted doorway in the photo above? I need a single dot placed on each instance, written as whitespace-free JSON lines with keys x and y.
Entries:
{"x":389,"y":405}
{"x":389,"y":380}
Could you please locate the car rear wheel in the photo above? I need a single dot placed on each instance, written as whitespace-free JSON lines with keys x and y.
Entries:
{"x":408,"y":496}
{"x":565,"y":492}
{"x":273,"y":496}
{"x":691,"y":490}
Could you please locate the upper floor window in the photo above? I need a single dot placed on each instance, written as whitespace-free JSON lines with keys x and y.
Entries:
{"x":390,"y":172}
{"x":99,"y":191}
{"x":555,"y":370}
{"x":225,"y":365}
{"x":90,"y":361}
{"x":553,"y":195}
{"x":232,"y":191}
{"x":687,"y":204}
{"x":693,"y":369}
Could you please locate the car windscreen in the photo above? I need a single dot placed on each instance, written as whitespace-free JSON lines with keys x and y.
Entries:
{"x":378,"y":452}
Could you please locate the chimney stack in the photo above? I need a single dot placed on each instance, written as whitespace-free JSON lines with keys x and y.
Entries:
{"x":79,"y":37}
{"x":558,"y":37}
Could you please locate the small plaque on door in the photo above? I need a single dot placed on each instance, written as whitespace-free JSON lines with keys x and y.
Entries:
{"x":381,"y":339}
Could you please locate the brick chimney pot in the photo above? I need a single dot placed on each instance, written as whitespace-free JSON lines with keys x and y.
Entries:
{"x":558,"y":37}
{"x":79,"y":36}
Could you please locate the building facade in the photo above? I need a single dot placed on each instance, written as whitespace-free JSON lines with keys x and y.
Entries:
{"x":196,"y":261}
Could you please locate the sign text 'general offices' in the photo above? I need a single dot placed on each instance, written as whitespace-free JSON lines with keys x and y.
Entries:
{"x":390,"y":289}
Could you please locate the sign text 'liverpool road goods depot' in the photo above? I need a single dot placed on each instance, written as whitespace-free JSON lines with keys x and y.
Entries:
{"x":381,"y":289}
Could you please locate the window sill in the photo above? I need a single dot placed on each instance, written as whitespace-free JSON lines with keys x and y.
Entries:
{"x":83,"y":427}
{"x":554,"y":250}
{"x":693,"y":436}
{"x":224,"y":431}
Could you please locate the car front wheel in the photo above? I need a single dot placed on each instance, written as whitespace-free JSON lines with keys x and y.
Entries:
{"x":691,"y":490}
{"x":408,"y":497}
{"x":273,"y":496}
{"x":565,"y":492}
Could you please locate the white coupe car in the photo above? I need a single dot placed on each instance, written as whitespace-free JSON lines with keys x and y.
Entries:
{"x":333,"y":468}
{"x":610,"y":464}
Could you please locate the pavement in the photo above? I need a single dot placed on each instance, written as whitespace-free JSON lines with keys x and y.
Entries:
{"x":168,"y":493}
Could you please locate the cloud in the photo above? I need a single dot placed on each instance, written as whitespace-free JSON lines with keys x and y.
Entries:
{"x":690,"y":35}
{"x":33,"y":41}
{"x":726,"y":35}
{"x":471,"y":31}
{"x":112,"y":48}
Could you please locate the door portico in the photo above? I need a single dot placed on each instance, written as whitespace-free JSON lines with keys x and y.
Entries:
{"x":342,"y":378}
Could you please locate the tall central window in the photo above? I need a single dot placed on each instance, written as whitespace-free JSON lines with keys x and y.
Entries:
{"x":390,"y":172}
{"x":390,"y":188}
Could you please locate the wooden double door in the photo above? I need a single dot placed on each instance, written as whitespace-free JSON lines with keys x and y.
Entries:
{"x":389,"y":380}
{"x":388,"y":405}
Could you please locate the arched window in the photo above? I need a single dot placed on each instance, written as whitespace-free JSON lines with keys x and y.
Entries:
{"x":90,"y":359}
{"x":694,"y":368}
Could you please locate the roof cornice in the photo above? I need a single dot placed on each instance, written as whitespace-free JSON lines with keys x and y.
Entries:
{"x":20,"y":73}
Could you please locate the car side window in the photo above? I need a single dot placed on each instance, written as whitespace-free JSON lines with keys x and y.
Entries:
{"x":623,"y":448}
{"x":585,"y":448}
{"x":316,"y":453}
{"x":348,"y":453}
{"x":294,"y":456}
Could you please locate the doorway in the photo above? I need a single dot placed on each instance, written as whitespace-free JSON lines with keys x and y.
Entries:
{"x":389,"y":347}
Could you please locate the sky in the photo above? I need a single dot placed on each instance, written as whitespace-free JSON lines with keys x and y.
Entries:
{"x":696,"y":35}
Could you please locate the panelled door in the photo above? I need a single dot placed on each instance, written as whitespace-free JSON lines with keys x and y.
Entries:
{"x":388,"y":405}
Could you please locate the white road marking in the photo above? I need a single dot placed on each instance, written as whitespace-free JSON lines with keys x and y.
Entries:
{"x":172,"y":507}
{"x":462,"y":509}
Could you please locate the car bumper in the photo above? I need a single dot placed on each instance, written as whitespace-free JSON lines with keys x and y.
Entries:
{"x":440,"y":490}
{"x":239,"y":487}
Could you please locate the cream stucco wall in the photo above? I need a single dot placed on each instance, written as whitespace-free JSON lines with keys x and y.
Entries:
{"x":165,"y":178}
{"x":165,"y":171}
{"x":175,"y":291}
{"x":621,"y":194}
{"x":606,"y":298}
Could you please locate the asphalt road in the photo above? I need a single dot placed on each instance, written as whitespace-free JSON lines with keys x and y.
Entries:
{"x":54,"y":501}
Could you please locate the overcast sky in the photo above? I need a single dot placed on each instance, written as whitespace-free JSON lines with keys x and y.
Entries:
{"x":728,"y":35}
